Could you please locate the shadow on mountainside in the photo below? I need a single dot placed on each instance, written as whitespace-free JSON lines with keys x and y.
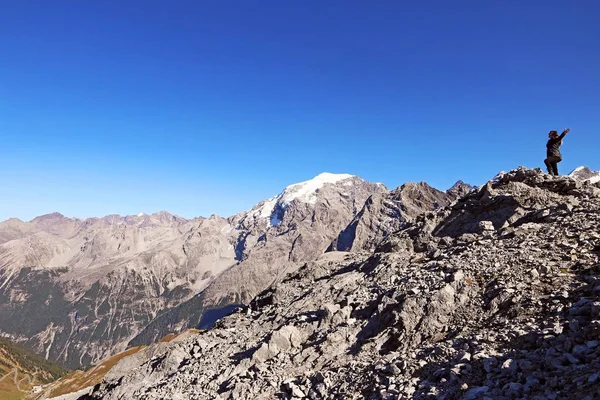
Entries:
{"x":559,"y":358}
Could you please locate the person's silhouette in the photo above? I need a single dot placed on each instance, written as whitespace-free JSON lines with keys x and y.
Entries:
{"x":553,"y":156}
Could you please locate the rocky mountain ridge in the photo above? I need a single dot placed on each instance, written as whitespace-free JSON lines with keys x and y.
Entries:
{"x":496,"y":296}
{"x":385,"y":213}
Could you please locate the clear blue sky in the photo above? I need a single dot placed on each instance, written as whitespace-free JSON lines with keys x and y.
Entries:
{"x":199,"y":107}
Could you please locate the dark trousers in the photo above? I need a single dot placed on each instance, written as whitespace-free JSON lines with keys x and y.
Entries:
{"x":552,"y":164}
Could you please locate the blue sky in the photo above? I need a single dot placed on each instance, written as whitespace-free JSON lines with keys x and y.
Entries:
{"x":200,"y":107}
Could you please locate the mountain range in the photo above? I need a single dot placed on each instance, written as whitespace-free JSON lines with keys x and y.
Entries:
{"x":493,"y":296}
{"x":79,"y":290}
{"x":585,"y":174}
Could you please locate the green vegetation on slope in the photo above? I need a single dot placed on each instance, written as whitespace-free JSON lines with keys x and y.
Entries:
{"x":21,"y":369}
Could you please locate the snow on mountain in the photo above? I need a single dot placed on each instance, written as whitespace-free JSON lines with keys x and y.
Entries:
{"x":585,"y":174}
{"x":305,"y":192}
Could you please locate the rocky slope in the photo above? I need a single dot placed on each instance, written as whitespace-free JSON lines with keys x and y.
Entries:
{"x":385,"y":213}
{"x":78,"y":382}
{"x":496,"y":296}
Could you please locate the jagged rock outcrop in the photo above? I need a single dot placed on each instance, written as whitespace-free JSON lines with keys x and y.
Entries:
{"x":494,"y":297}
{"x":385,"y":213}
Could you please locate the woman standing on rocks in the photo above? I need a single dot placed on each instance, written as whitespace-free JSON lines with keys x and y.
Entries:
{"x":553,"y":156}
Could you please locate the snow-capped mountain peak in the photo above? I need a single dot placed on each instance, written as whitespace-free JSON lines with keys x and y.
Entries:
{"x":585,"y":174}
{"x":305,"y":192}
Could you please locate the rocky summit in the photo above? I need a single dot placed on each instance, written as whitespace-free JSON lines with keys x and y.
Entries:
{"x":496,"y":296}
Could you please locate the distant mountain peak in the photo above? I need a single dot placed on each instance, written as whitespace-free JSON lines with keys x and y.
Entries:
{"x":580,"y":169}
{"x":14,"y":220}
{"x":585,"y":174}
{"x":460,"y":188}
{"x":54,"y":215}
{"x":305,"y":192}
{"x":458,"y":183}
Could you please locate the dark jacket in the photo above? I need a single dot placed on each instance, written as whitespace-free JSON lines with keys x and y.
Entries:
{"x":552,"y":147}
